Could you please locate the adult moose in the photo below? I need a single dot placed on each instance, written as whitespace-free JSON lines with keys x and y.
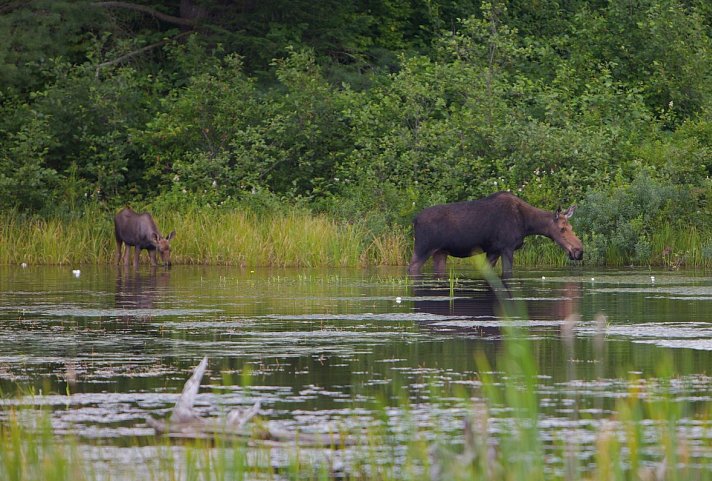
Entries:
{"x":495,"y":225}
{"x":140,"y":231}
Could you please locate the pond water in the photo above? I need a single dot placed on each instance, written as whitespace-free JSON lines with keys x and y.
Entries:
{"x":106,"y":348}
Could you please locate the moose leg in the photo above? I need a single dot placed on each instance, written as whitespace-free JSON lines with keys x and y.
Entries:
{"x":439,"y":261}
{"x":492,"y":258}
{"x":127,"y":254}
{"x":416,"y":263}
{"x":119,"y":251}
{"x":137,"y":253}
{"x":507,"y":260}
{"x":152,"y":256}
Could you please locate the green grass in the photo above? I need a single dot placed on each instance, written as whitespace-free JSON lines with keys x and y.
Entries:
{"x":669,"y":248}
{"x":204,"y":236}
{"x":289,"y":238}
{"x":30,"y":451}
{"x":240,"y":238}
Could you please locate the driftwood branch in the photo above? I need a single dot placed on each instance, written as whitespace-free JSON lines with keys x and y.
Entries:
{"x":186,"y":22}
{"x":183,"y":410}
{"x":185,"y":422}
{"x":141,"y":50}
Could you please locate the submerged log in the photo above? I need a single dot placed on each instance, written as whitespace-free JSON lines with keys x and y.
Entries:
{"x":186,"y":423}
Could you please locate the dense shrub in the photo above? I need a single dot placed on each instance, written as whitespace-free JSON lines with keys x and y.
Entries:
{"x":620,"y":222}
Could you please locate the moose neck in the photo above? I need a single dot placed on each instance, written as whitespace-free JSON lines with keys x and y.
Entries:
{"x":538,"y":222}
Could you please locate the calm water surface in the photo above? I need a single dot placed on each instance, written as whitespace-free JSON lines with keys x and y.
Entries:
{"x":320,"y":349}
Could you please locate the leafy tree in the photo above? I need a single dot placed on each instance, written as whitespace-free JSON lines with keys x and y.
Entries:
{"x":25,"y":182}
{"x":34,"y":33}
{"x":220,"y":137}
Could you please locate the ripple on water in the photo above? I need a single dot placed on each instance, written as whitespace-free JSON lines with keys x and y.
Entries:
{"x":698,"y":344}
{"x":347,"y":342}
{"x":690,"y":335}
{"x":364,"y":316}
{"x":691,"y":292}
{"x":488,"y":322}
{"x":73,"y":311}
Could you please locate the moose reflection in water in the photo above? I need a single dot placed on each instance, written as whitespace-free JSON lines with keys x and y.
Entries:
{"x":139,"y":291}
{"x":472,"y":309}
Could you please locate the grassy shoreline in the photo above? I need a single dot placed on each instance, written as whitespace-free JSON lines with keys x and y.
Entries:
{"x":208,"y":237}
{"x":290,"y":238}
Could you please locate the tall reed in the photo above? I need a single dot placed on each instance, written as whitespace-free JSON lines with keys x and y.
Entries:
{"x":29,"y":451}
{"x":85,"y":239}
{"x":242,"y":238}
{"x":292,"y":237}
{"x":638,"y":440}
{"x":540,"y":252}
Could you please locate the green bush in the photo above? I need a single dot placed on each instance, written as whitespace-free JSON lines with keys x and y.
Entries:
{"x":26,"y":183}
{"x":620,"y":223}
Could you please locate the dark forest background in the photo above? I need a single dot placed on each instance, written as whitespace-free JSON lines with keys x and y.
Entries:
{"x":365,"y":110}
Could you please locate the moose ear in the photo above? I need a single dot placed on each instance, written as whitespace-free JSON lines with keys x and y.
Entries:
{"x":570,"y":211}
{"x":171,"y":235}
{"x":155,"y":237}
{"x":557,"y":213}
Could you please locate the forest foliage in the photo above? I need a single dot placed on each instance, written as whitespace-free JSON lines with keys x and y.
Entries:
{"x":366,"y":111}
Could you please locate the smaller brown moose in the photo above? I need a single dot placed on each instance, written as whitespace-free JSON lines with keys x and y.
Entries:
{"x":140,"y":231}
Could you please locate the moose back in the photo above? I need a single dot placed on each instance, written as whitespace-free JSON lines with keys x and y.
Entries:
{"x":495,"y":225}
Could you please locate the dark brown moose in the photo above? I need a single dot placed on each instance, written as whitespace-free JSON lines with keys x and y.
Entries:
{"x":140,"y":231}
{"x":495,"y":225}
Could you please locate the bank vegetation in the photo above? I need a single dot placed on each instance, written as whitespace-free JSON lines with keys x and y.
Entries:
{"x":351,"y":117}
